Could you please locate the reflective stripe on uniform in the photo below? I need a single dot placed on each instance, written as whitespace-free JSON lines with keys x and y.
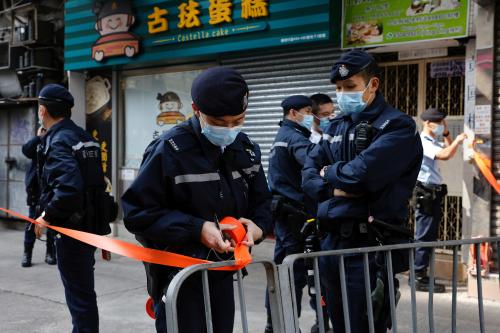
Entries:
{"x":196,"y":178}
{"x":80,"y":145}
{"x":254,"y":168}
{"x":280,"y":144}
{"x":332,"y":139}
{"x":236,"y":175}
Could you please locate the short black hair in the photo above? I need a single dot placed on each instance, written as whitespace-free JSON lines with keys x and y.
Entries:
{"x":286,"y":111}
{"x":370,"y":72}
{"x":321,"y":99}
{"x":57,"y":110}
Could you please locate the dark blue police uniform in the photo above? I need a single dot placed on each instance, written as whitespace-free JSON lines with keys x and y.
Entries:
{"x":185,"y":180}
{"x":29,"y":150}
{"x":64,"y":180}
{"x":380,"y":178}
{"x":286,"y":159}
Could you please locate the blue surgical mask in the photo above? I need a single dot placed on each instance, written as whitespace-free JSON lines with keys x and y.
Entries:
{"x":307,"y":122}
{"x":439,"y":130}
{"x":323,"y":123}
{"x":352,"y":102}
{"x":220,"y":136}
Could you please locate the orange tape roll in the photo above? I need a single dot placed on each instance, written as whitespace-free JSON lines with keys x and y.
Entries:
{"x":238,"y":234}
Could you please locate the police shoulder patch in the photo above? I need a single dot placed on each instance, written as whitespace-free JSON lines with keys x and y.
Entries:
{"x":180,"y":142}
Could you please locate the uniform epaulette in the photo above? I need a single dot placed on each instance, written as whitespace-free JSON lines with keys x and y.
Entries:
{"x":179,"y":139}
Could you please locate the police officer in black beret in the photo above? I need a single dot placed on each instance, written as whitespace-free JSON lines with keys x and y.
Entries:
{"x":430,"y":190}
{"x":292,"y":209}
{"x":29,"y":150}
{"x":193,"y":176}
{"x":71,"y":172}
{"x":367,"y":168}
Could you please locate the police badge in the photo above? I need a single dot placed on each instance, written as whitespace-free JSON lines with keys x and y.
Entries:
{"x":343,"y":71}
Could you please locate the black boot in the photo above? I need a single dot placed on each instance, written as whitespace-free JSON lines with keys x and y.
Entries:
{"x":269,"y":325}
{"x":50,"y":255}
{"x":28,"y":252}
{"x":326,"y":321}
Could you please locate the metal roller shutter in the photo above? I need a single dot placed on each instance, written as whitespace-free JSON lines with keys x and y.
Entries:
{"x":495,"y":204}
{"x":271,"y":78}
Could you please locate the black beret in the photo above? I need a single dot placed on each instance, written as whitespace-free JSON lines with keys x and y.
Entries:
{"x":351,"y":63}
{"x":57,"y":94}
{"x":296,"y":102}
{"x":220,"y":91}
{"x":432,"y":114}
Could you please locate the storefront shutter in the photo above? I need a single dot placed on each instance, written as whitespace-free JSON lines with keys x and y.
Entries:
{"x":273,"y":77}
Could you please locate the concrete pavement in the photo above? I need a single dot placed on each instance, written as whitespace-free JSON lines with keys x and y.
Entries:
{"x":32,"y":299}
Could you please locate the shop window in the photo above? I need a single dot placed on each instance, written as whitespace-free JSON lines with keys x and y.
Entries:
{"x":153,"y":104}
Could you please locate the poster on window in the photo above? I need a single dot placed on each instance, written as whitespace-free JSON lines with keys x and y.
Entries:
{"x":99,"y":114}
{"x":154,"y":104}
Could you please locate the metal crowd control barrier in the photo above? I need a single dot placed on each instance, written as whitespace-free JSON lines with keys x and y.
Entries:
{"x":176,"y":283}
{"x":286,"y":282}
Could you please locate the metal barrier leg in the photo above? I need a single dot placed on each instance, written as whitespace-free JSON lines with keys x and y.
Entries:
{"x":345,"y":301}
{"x":243,"y":308}
{"x":479,"y":287}
{"x":206,"y":301}
{"x":275,"y":296}
{"x":317,"y":288}
{"x":431,"y":291}
{"x":413,"y":292}
{"x":454,"y":291}
{"x":368,"y":290}
{"x":392,"y":300}
{"x":290,"y":322}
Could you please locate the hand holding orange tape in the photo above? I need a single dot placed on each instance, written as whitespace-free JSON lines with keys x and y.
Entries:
{"x":241,"y":254}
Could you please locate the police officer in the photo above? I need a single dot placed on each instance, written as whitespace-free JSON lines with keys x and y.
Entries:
{"x":368,"y":168}
{"x":286,"y":159}
{"x":71,"y":165}
{"x":29,"y":150}
{"x":322,"y":109}
{"x":430,"y":190}
{"x":194,"y":175}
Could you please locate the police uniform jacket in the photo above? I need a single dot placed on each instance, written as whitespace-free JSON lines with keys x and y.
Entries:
{"x":185,"y":180}
{"x":71,"y":163}
{"x":29,"y":150}
{"x":287,"y":158}
{"x":383,"y":175}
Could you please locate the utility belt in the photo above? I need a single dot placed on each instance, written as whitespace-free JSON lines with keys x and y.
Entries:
{"x":359,"y":232}
{"x":434,"y":189}
{"x":291,"y":212}
{"x":425,"y":196}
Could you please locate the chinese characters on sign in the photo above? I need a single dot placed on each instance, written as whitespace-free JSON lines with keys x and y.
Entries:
{"x":253,"y":8}
{"x":188,"y":16}
{"x":157,"y":23}
{"x":220,"y":11}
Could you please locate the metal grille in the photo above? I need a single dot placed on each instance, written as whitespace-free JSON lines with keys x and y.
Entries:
{"x":495,"y":202}
{"x":400,"y":87}
{"x":450,"y":227}
{"x":273,"y":77}
{"x":451,"y":88}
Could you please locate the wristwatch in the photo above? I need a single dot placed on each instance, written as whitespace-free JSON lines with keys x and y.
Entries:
{"x":445,"y":134}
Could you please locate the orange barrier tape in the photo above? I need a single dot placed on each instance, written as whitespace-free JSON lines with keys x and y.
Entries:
{"x":153,"y":256}
{"x":484,"y":165}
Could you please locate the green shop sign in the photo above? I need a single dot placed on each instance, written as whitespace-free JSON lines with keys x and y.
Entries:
{"x":378,"y":22}
{"x":120,"y":32}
